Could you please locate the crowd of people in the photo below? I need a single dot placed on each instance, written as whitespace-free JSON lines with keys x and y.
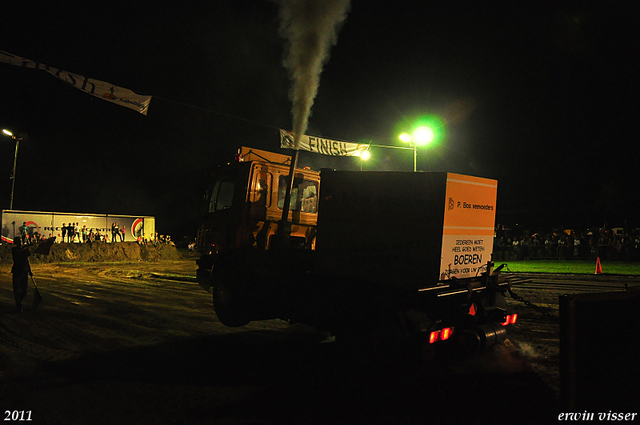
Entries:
{"x":155,"y":240}
{"x":73,"y":233}
{"x":28,"y":237}
{"x":614,"y":245}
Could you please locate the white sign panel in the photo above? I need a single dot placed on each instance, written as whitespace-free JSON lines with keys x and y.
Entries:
{"x":321,"y":146}
{"x":109,"y":92}
{"x":469,"y":226}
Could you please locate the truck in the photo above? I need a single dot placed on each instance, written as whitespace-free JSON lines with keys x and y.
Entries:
{"x":383,"y":258}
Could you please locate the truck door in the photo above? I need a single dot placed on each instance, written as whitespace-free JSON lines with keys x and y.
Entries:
{"x":223,"y":211}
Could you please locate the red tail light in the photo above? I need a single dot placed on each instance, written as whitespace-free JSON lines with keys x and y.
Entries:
{"x":510,"y":320}
{"x":445,"y":334}
{"x":441,"y":335}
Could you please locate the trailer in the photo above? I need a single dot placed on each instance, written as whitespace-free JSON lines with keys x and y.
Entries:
{"x":39,"y":225}
{"x":376,"y":255}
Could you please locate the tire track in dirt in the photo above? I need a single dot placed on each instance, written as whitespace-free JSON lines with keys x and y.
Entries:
{"x":51,"y":333}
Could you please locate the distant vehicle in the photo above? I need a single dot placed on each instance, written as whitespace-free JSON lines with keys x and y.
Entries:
{"x":370,"y":256}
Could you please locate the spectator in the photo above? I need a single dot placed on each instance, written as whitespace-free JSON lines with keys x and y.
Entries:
{"x":114,"y":232}
{"x":23,"y":232}
{"x":517,"y":249}
{"x":576,"y":247}
{"x":562,"y":247}
{"x":70,"y":233}
{"x":21,"y":271}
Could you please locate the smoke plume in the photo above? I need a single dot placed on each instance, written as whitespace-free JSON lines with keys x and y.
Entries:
{"x":310,"y":28}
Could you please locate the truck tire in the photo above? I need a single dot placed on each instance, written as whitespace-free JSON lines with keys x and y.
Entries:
{"x":227,"y":306}
{"x":229,"y":300}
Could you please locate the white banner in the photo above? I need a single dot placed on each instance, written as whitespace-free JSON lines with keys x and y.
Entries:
{"x":321,"y":146}
{"x":106,"y":91}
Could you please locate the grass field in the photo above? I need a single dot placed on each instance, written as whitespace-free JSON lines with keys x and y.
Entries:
{"x":577,"y":267}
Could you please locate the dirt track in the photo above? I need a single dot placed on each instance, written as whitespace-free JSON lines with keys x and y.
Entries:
{"x":139,"y":343}
{"x":98,"y":252}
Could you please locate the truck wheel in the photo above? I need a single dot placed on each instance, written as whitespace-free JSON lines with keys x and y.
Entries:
{"x":228,"y":305}
{"x":229,"y":301}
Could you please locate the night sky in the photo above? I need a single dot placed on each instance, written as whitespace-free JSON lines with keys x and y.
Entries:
{"x":542,"y":96}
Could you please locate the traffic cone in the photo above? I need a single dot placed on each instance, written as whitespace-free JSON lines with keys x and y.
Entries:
{"x":598,"y":266}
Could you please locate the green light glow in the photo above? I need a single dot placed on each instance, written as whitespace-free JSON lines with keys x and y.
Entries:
{"x":423,"y":135}
{"x":426,"y":130}
{"x":434,"y":124}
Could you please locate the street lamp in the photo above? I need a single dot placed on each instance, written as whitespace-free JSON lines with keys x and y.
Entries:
{"x":364,"y":156}
{"x":421,"y":136}
{"x":15,"y":160}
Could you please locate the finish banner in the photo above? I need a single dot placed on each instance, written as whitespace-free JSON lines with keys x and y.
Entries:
{"x":321,"y":146}
{"x":109,"y":92}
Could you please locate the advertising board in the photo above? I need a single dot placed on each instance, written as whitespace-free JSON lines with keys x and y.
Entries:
{"x":468,"y":228}
{"x":44,"y":225}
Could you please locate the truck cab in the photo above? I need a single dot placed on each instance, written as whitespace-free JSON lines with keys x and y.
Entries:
{"x":243,"y":207}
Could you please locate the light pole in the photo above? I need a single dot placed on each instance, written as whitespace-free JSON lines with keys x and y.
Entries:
{"x":421,"y":136}
{"x":15,"y":161}
{"x":406,"y":138}
{"x":364,"y":156}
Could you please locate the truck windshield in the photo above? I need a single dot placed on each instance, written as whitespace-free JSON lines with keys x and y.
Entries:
{"x":308,"y":202}
{"x":222,"y":195}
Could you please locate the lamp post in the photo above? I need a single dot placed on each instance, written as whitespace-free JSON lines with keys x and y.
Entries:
{"x":421,"y":136}
{"x":15,"y":161}
{"x":406,"y":138}
{"x":364,"y":156}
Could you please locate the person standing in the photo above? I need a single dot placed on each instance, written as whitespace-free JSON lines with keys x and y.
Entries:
{"x":21,"y":271}
{"x":23,"y":232}
{"x":64,"y":232}
{"x":70,"y":233}
{"x":122,"y":233}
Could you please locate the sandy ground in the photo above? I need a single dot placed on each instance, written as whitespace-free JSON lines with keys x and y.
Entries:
{"x":606,"y":369}
{"x":97,"y":252}
{"x":138,"y":342}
